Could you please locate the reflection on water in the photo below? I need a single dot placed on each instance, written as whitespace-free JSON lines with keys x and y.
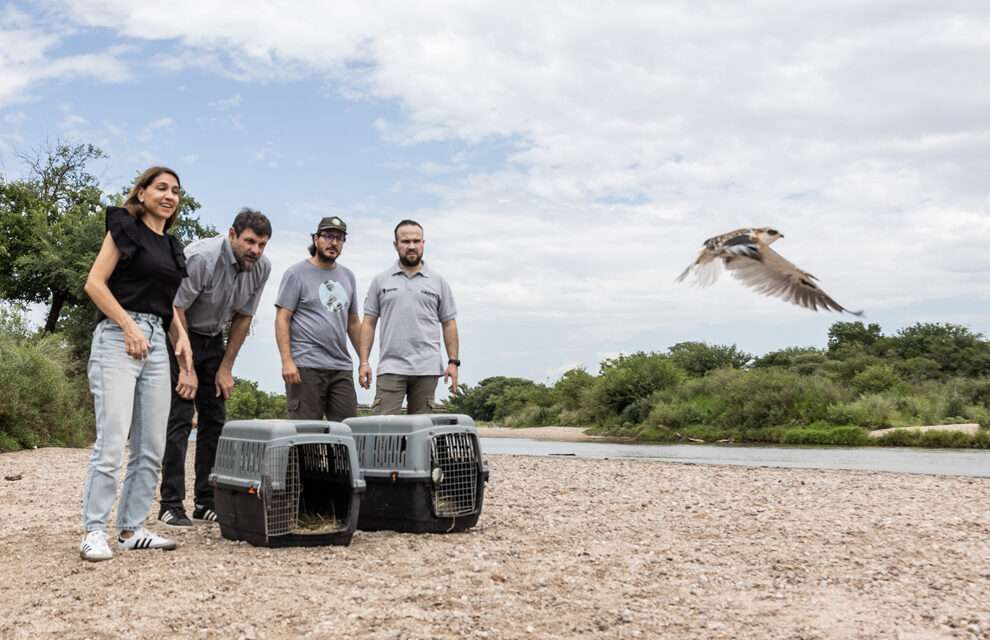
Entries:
{"x":956,"y":462}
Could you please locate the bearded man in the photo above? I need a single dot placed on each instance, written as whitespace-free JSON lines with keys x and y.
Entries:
{"x":416,"y":307}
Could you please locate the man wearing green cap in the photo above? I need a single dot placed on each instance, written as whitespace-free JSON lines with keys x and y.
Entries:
{"x":316,"y":315}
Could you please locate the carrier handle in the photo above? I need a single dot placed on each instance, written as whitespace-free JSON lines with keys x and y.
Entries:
{"x":312,"y":428}
{"x":439,"y":421}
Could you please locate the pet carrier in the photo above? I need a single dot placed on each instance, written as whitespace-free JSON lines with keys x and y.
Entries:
{"x":424,"y":473}
{"x":281,"y":483}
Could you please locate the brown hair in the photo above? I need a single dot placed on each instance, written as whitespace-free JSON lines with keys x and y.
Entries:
{"x":134,"y":206}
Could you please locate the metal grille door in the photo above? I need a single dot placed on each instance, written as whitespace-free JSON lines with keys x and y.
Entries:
{"x":456,"y":456}
{"x":280,"y":489}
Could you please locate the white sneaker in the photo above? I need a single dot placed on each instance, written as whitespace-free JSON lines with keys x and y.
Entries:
{"x":94,"y":547}
{"x":144,"y":539}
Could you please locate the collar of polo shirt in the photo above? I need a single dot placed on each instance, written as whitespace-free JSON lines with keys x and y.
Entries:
{"x":424,"y":271}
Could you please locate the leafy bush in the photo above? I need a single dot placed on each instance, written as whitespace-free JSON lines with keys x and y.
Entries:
{"x":875,"y":378}
{"x":46,"y":402}
{"x":873,"y":411}
{"x":622,"y":392}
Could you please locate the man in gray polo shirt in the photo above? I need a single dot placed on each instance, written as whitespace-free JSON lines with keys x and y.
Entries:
{"x":226,"y":275}
{"x":416,"y":307}
{"x":317,"y":313}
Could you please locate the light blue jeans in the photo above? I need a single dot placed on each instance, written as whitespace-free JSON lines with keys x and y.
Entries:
{"x":132,"y":400}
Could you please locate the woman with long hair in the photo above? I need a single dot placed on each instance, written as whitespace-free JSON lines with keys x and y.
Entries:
{"x":132,"y":282}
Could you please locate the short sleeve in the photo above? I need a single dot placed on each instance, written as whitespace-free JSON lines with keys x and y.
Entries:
{"x":251,"y":306}
{"x":448,"y":310}
{"x":371,"y":299}
{"x":352,"y":303}
{"x":178,"y":254}
{"x":194,"y":269}
{"x":123,"y":229}
{"x":289,"y":291}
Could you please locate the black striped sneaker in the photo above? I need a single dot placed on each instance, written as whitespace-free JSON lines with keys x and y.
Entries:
{"x":205,"y":514}
{"x":144,"y":539}
{"x":174,"y":517}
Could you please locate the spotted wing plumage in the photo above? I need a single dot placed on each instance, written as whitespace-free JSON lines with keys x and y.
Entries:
{"x":775,"y":276}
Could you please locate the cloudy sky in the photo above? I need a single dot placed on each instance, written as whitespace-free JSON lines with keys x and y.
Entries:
{"x":565,"y":158}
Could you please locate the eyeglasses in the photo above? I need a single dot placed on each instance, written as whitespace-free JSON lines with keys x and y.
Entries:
{"x":331,"y":236}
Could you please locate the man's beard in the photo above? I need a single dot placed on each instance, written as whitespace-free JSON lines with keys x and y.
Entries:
{"x":244,"y":264}
{"x":326,"y":260}
{"x":410,"y":262}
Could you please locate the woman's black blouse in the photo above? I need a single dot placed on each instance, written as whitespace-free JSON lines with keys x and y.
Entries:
{"x":150,"y":268}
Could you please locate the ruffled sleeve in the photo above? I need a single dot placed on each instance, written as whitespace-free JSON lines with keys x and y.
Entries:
{"x":123,"y":230}
{"x":178,"y":254}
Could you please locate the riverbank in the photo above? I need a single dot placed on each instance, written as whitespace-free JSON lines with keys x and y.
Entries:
{"x":564,"y":548}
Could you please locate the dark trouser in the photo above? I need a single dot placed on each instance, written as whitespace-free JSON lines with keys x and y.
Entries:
{"x":211,"y":414}
{"x":391,"y":388}
{"x":322,"y":394}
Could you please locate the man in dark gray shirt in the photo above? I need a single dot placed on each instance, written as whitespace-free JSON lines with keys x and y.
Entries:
{"x":416,"y":307}
{"x":226,"y":275}
{"x":317,"y":313}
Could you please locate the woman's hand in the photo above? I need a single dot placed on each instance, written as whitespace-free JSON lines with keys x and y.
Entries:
{"x":135,"y":343}
{"x":187,"y":374}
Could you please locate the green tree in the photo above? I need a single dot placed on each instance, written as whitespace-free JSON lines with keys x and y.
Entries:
{"x":248,"y":402}
{"x":572,"y":386}
{"x":624,"y":387}
{"x":853,"y":336}
{"x":51,"y":228}
{"x":49,"y":223}
{"x":698,"y":358}
{"x":956,"y":349}
{"x":484,"y":401}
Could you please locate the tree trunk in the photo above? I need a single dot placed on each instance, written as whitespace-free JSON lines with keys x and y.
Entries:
{"x":58,"y":300}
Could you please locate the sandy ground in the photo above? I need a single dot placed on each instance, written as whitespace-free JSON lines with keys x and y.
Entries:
{"x":565,"y":548}
{"x":968,"y":427}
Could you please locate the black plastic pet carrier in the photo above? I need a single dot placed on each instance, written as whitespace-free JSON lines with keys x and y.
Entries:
{"x":424,"y":473}
{"x":281,"y":483}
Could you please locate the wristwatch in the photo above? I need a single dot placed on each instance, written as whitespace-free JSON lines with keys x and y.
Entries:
{"x":454,"y":361}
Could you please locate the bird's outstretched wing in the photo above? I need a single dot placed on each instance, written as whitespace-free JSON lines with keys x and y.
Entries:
{"x":773,"y":275}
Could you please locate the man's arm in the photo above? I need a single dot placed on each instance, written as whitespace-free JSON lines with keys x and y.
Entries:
{"x":367,"y":338}
{"x":283,"y":322}
{"x":354,"y":331}
{"x":452,"y":343}
{"x":187,"y":376}
{"x":239,"y":328}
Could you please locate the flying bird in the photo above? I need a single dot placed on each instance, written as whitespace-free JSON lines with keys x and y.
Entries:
{"x":747,"y":255}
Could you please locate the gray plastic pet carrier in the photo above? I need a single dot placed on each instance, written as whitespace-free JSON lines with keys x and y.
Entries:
{"x":424,"y":473}
{"x":281,"y":483}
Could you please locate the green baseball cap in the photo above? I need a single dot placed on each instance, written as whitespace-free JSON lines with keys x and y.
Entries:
{"x":332,"y":222}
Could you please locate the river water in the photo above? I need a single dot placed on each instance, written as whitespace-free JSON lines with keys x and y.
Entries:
{"x":955,"y":462}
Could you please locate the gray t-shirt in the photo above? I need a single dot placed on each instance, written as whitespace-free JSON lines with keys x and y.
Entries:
{"x":410,"y":311}
{"x":321,"y":301}
{"x":216,"y":287}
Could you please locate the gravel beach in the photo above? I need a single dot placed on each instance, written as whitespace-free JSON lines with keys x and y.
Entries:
{"x":565,"y":548}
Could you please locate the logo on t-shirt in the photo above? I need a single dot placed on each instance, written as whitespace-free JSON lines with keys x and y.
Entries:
{"x":333,"y":295}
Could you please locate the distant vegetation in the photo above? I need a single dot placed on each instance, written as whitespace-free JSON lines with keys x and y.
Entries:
{"x":924,"y":374}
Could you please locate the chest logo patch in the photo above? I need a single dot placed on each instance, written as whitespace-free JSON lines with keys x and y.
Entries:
{"x":333,"y":295}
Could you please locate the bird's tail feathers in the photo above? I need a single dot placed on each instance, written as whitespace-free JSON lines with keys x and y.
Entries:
{"x":702,"y":272}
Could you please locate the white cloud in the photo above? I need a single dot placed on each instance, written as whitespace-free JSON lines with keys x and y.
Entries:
{"x":25,"y":60}
{"x":632,"y":132}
